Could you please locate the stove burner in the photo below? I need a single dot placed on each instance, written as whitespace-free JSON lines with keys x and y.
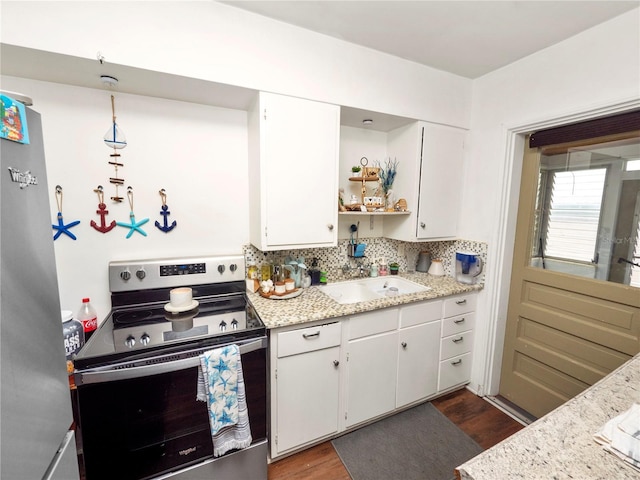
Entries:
{"x":131,"y":317}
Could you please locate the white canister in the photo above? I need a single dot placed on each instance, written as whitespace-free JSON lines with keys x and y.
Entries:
{"x":436,"y":269}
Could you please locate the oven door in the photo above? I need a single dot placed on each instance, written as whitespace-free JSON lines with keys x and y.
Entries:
{"x":140,"y":422}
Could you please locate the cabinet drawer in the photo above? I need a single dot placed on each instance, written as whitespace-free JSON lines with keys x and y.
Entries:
{"x":456,"y":344}
{"x":372,"y":323}
{"x":426,"y":312}
{"x":454,"y":371}
{"x":460,"y":304}
{"x":308,"y":339}
{"x":458,"y":324}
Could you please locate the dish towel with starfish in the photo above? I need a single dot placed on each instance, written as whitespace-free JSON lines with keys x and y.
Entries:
{"x":221,"y":385}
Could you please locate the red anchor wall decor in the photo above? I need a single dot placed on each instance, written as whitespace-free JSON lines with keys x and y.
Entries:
{"x":103,"y":212}
{"x":166,"y":228}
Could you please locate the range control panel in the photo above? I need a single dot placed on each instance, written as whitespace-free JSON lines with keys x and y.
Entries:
{"x":183,"y":269}
{"x":131,"y":275}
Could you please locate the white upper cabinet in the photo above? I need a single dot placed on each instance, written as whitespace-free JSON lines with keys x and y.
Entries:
{"x":293,"y":172}
{"x":429,"y":177}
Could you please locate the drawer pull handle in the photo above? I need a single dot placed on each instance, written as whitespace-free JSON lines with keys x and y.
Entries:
{"x":404,"y":344}
{"x":336,"y":363}
{"x":457,"y":362}
{"x":460,"y":320}
{"x":457,"y":340}
{"x":311,"y":335}
{"x":461,"y":302}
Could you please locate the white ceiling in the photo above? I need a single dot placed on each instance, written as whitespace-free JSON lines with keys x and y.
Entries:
{"x":467,"y":38}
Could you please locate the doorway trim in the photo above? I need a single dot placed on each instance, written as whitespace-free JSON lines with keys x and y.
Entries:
{"x":501,"y":247}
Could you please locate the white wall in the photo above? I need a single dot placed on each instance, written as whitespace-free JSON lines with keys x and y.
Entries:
{"x":595,"y":71}
{"x":216,"y":42}
{"x":198,"y":154}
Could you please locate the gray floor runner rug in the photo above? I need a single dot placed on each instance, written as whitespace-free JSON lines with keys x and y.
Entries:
{"x":419,"y":443}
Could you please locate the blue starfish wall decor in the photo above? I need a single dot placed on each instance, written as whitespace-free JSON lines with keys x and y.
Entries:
{"x":133,"y":225}
{"x":61,"y":227}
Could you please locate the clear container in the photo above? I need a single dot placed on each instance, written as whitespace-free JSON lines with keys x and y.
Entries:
{"x":252,"y":272}
{"x":266,"y":271}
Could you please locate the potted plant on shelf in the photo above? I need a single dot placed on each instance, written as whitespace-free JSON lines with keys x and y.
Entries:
{"x":394,"y":268}
{"x":386,"y":177}
{"x":356,"y":171}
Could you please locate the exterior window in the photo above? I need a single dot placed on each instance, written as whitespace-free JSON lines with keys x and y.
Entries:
{"x":574,"y":214}
{"x":587,"y":213}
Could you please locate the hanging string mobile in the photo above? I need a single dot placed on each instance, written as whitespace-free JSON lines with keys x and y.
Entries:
{"x":115,"y":138}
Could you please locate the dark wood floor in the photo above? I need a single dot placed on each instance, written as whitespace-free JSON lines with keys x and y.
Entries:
{"x":477,"y":418}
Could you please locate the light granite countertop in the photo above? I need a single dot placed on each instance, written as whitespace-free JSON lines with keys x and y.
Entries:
{"x":314,"y":305}
{"x":560,"y":445}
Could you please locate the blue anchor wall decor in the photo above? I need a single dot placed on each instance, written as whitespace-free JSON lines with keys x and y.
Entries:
{"x":61,"y":227}
{"x":166,"y":228}
{"x":133,"y":225}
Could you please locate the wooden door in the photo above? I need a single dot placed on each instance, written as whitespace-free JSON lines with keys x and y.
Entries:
{"x":564,"y":332}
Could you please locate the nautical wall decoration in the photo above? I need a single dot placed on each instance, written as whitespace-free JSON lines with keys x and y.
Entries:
{"x":103,"y":212}
{"x":61,"y":227}
{"x":133,"y":225}
{"x":115,"y":138}
{"x":165,"y":227}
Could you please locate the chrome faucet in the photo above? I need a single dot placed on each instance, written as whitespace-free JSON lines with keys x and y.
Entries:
{"x":362,"y":269}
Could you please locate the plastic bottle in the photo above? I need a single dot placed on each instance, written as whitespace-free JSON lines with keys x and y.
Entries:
{"x":314,"y":272}
{"x":89,"y":318}
{"x":252,"y":272}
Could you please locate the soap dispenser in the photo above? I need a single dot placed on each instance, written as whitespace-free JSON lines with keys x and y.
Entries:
{"x":314,"y":271}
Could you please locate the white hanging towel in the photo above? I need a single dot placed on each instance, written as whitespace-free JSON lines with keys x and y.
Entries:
{"x":221,"y":385}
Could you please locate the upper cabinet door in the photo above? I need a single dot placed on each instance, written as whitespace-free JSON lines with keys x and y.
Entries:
{"x":430,"y":179}
{"x":441,"y":183}
{"x":293,"y":169}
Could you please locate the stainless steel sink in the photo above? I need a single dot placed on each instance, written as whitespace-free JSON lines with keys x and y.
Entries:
{"x":365,"y":289}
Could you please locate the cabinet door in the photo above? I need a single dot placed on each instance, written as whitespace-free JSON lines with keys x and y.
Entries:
{"x":440,"y":181}
{"x":307,"y":397}
{"x":418,"y":361}
{"x":299,"y":169}
{"x":372,"y":376}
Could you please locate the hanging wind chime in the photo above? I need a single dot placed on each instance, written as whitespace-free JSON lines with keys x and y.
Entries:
{"x":166,"y":228}
{"x":114,"y":138}
{"x":133,"y":225}
{"x":61,"y":227}
{"x":103,"y":212}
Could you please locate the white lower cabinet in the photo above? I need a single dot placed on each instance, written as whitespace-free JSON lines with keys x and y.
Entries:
{"x":326,"y":379}
{"x":456,"y":344}
{"x":371,"y":371}
{"x":307,"y":386}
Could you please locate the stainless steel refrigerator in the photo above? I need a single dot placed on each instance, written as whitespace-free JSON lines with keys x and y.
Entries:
{"x":36,"y":439}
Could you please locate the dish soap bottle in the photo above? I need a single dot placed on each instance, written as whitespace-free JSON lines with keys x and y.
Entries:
{"x":89,"y":318}
{"x":314,"y":272}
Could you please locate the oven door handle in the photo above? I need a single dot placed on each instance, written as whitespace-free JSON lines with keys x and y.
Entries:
{"x":110,"y":375}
